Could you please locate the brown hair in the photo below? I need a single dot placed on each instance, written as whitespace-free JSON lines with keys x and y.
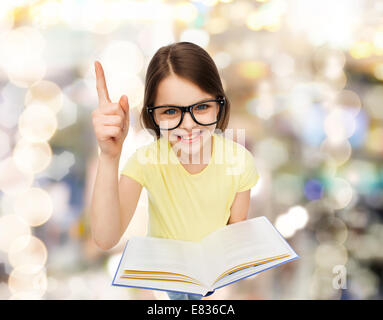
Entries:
{"x":191,"y":62}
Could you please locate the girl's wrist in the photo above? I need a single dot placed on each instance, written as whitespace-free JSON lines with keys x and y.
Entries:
{"x":108,"y":158}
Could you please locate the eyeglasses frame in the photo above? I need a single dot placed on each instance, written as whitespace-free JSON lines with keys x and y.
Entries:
{"x":184,"y":109}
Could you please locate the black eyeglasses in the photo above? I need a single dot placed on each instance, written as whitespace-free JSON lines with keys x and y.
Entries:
{"x":205,"y":113}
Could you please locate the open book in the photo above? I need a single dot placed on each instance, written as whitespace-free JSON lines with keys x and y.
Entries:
{"x":227,"y":255}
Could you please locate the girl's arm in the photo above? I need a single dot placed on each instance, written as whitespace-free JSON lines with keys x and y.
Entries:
{"x":105,"y":204}
{"x":240,"y":207}
{"x":113,"y":203}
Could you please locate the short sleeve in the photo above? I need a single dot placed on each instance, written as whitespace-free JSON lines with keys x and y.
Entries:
{"x":249,"y":176}
{"x":134,"y":169}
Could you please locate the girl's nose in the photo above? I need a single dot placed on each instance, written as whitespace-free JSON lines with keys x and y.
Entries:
{"x":187,"y":121}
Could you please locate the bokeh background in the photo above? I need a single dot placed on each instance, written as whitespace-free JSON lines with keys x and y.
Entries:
{"x":305,"y":81}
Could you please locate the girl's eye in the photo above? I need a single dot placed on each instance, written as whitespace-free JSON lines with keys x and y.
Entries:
{"x":171,"y":111}
{"x":202,"y":107}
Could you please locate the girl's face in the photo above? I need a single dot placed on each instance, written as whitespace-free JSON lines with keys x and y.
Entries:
{"x":181,"y":92}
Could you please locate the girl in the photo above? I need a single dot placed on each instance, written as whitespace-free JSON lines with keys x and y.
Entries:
{"x":197,"y":180}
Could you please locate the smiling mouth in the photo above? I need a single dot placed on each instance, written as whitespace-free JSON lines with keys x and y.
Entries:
{"x":189,"y":139}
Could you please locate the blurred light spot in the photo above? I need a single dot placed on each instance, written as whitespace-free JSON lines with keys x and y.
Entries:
{"x":339,"y":82}
{"x":257,"y":188}
{"x":362,"y":123}
{"x":121,"y":57}
{"x":364,"y":246}
{"x":6,"y":204}
{"x":185,"y":11}
{"x":356,"y":218}
{"x":329,"y":254}
{"x":23,"y":70}
{"x":349,"y":101}
{"x":60,"y":194}
{"x":11,"y":105}
{"x":361,"y":49}
{"x":67,"y":115}
{"x":122,"y":62}
{"x":285,"y":225}
{"x":299,"y":215}
{"x":12,"y":179}
{"x":252,"y":69}
{"x":263,"y":106}
{"x":6,"y":17}
{"x":310,"y":118}
{"x":82,"y":91}
{"x":222,"y":59}
{"x":378,"y":42}
{"x":273,"y":152}
{"x":306,"y":18}
{"x":340,"y":193}
{"x":282,"y":65}
{"x":365,"y":284}
{"x":112,"y":264}
{"x":208,"y":3}
{"x":267,"y":16}
{"x":373,"y":101}
{"x":288,"y":187}
{"x":47,"y":93}
{"x":332,"y":229}
{"x":374,"y":140}
{"x":236,"y":12}
{"x":28,"y":281}
{"x":59,"y":166}
{"x":79,"y":288}
{"x":53,"y":284}
{"x":32,"y":157}
{"x":378,"y":71}
{"x":329,"y":167}
{"x":37,"y":123}
{"x":197,"y":36}
{"x":27,"y":250}
{"x":101,"y":20}
{"x":19,"y":41}
{"x":5,"y":143}
{"x":254,"y":21}
{"x":216,"y":25}
{"x":339,"y":125}
{"x":363,"y":175}
{"x":288,"y":223}
{"x":46,"y":13}
{"x":375,"y":199}
{"x":329,"y":62}
{"x":11,"y":227}
{"x":34,"y":206}
{"x":339,"y":152}
{"x":27,"y":72}
{"x":313,"y":189}
{"x":321,"y":286}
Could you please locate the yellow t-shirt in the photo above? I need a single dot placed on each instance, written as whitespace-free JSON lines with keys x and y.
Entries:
{"x":187,"y":206}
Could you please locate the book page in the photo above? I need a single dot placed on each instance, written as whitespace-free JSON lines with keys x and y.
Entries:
{"x":161,"y":285}
{"x":250,"y":271}
{"x":164,"y":255}
{"x":242,"y":242}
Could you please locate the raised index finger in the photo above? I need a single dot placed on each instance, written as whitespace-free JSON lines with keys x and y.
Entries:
{"x":102,"y":90}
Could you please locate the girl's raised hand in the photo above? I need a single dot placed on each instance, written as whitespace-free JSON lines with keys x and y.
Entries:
{"x":110,"y":120}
